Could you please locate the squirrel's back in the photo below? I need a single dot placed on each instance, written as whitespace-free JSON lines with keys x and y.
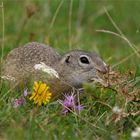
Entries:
{"x":20,"y":61}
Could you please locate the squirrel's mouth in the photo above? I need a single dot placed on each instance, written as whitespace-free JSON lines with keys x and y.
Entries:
{"x":97,"y":80}
{"x":100,"y":78}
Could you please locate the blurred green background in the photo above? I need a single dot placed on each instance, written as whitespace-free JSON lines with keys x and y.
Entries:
{"x":66,"y":25}
{"x":51,"y":23}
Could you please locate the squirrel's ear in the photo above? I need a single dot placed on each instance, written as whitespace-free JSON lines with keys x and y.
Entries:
{"x":66,"y":59}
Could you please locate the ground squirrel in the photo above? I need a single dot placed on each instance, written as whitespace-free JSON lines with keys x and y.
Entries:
{"x":75,"y":67}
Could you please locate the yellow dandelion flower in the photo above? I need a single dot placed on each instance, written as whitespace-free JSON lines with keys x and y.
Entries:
{"x":41,"y":94}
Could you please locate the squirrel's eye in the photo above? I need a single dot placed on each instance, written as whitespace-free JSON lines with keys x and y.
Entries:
{"x":84,"y":60}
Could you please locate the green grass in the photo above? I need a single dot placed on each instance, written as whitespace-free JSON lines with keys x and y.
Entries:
{"x":96,"y":120}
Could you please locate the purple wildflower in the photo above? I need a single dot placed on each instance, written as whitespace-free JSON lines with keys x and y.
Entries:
{"x":70,"y":103}
{"x":18,"y":102}
{"x":21,"y":100}
{"x":25,"y":93}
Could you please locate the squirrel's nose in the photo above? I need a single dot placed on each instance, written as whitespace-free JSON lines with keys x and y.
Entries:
{"x":102,"y":68}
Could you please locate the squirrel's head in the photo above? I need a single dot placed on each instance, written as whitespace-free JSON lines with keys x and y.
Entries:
{"x":78,"y":67}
